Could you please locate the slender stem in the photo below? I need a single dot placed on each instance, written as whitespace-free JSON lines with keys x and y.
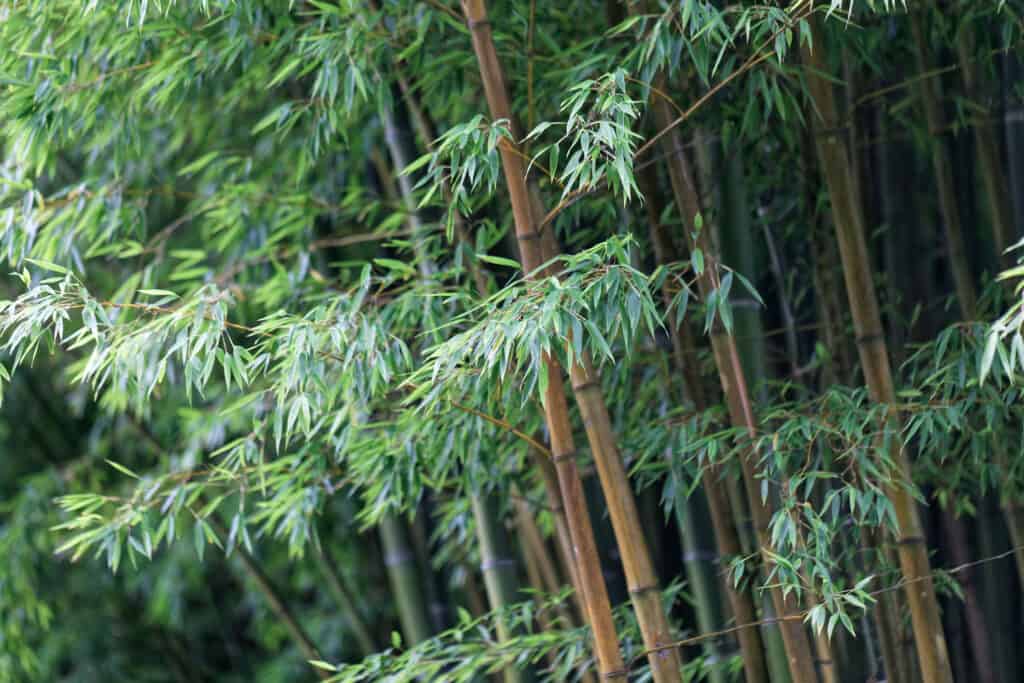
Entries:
{"x":942,"y":165}
{"x":992,"y":176}
{"x":798,"y":650}
{"x":344,"y":599}
{"x":400,"y":561}
{"x":723,"y":521}
{"x":929,"y":638}
{"x":499,"y":570}
{"x":274,"y":599}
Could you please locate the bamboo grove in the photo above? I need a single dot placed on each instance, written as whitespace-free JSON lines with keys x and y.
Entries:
{"x":522,"y":341}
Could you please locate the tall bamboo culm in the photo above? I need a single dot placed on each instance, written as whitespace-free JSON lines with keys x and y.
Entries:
{"x":913,"y":555}
{"x":400,"y":561}
{"x":499,"y":569}
{"x":497,"y":565}
{"x":563,"y":448}
{"x":798,"y":649}
{"x":723,"y":520}
{"x":274,"y":600}
{"x":536,"y":246}
{"x":993,"y":178}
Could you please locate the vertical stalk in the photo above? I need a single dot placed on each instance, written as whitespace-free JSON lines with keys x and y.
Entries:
{"x":595,"y":595}
{"x":993,"y":179}
{"x":499,"y":571}
{"x":723,"y":521}
{"x":960,"y":554}
{"x":929,"y":93}
{"x":737,"y":248}
{"x":343,"y":598}
{"x":942,"y":165}
{"x":920,"y":589}
{"x":497,"y":564}
{"x":274,"y":600}
{"x":1013,"y":123}
{"x":643,"y":586}
{"x":798,"y":650}
{"x":400,"y":561}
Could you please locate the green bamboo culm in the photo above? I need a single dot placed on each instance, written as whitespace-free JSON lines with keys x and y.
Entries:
{"x":499,"y":569}
{"x":405,"y":579}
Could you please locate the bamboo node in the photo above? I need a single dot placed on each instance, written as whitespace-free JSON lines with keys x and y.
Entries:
{"x":584,"y":386}
{"x":562,"y":457}
{"x":495,"y":563}
{"x":910,"y":540}
{"x":640,"y":590}
{"x":867,"y":338}
{"x":615,"y":673}
{"x":396,"y":559}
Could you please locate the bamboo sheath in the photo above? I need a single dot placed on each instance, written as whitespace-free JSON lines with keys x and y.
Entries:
{"x":931,"y":643}
{"x":535,"y":248}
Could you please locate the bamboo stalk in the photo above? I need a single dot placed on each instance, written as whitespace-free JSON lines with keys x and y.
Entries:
{"x":645,"y":593}
{"x":723,"y":520}
{"x":929,"y":638}
{"x":595,"y":595}
{"x":959,"y":552}
{"x":987,"y":148}
{"x":400,"y":561}
{"x":274,"y":600}
{"x":737,"y":250}
{"x":499,"y":570}
{"x":1013,"y":125}
{"x":966,"y":297}
{"x":942,"y":165}
{"x":497,"y":563}
{"x":798,"y":650}
{"x":343,"y":598}
{"x":253,"y":569}
{"x":427,"y":135}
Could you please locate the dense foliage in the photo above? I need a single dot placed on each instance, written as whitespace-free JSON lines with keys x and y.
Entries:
{"x":555,"y":341}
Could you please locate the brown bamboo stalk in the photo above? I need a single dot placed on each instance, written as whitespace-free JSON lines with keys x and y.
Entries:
{"x":556,"y":409}
{"x":549,"y":477}
{"x":974,"y":615}
{"x":992,"y":176}
{"x":966,"y":297}
{"x":899,"y":667}
{"x":797,"y":645}
{"x":537,"y":246}
{"x":832,"y":156}
{"x":723,"y":520}
{"x":942,"y":165}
